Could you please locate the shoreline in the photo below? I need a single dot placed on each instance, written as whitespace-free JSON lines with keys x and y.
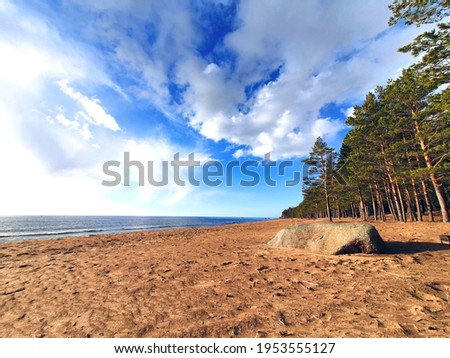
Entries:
{"x":76,"y":228}
{"x":224,"y":281}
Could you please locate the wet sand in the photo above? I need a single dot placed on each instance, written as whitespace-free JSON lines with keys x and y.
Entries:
{"x":225,"y":282}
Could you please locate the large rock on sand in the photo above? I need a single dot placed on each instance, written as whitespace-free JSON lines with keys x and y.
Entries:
{"x":331,"y":238}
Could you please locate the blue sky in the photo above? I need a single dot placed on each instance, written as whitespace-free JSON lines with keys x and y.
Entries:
{"x":82,"y":82}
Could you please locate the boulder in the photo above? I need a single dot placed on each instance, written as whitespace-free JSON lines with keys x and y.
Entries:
{"x":331,"y":238}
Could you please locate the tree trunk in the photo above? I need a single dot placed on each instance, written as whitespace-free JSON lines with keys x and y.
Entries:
{"x":396,"y":199}
{"x":395,"y":193}
{"x":329,"y":214}
{"x":446,"y":191}
{"x":380,"y":202}
{"x":417,"y":200}
{"x":396,"y":202}
{"x":362,"y":206}
{"x":436,"y":185}
{"x":389,"y":200}
{"x":440,"y":197}
{"x":425,"y":194}
{"x":427,"y":200}
{"x":327,"y":199}
{"x":402,"y":205}
{"x":409,"y":203}
{"x":414,"y":186}
{"x":325,"y":189}
{"x":338,"y":207}
{"x":374,"y":207}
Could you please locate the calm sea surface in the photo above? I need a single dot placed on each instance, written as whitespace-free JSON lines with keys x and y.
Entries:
{"x":15,"y":228}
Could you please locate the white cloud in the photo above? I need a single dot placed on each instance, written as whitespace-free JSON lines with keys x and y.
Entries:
{"x":21,"y":64}
{"x":211,"y":68}
{"x":95,"y":113}
{"x":75,"y":125}
{"x":324,"y":126}
{"x":52,"y":170}
{"x":238,"y":153}
{"x":349,"y":111}
{"x":332,"y":52}
{"x":328,"y":54}
{"x":54,"y":138}
{"x":157,"y":151}
{"x":52,"y":163}
{"x":66,"y":122}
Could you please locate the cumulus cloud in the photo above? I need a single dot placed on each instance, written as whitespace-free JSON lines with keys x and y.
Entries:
{"x":326,"y":54}
{"x":54,"y":139}
{"x":264,"y":83}
{"x":260,"y":87}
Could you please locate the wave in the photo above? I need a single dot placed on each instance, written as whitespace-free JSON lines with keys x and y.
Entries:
{"x":138,"y":228}
{"x":25,"y":228}
{"x":151,"y":227}
{"x":69,"y":232}
{"x":49,"y":233}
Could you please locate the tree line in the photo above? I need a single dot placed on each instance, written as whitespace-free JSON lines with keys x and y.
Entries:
{"x":395,"y":160}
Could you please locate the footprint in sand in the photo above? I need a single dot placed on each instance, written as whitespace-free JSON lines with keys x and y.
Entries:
{"x":427,"y":297}
{"x":429,"y":303}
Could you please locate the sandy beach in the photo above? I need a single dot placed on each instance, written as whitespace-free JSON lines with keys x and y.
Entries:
{"x":225,"y":282}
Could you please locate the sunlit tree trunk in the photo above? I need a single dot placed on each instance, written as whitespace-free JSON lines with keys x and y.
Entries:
{"x":436,"y":185}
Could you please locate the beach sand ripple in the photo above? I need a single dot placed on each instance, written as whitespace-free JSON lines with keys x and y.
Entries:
{"x":225,"y":282}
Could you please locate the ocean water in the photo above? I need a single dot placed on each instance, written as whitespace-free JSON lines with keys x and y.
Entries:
{"x":15,"y":228}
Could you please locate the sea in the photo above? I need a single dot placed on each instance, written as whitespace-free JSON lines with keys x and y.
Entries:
{"x":17,"y":228}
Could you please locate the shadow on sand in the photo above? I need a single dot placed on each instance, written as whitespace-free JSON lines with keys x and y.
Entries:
{"x":395,"y":247}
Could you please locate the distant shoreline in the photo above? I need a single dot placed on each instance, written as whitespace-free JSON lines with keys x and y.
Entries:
{"x":20,"y":228}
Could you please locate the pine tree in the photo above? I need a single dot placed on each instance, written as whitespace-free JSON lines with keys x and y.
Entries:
{"x":320,"y":172}
{"x":423,"y":116}
{"x":399,"y":145}
{"x":419,"y":11}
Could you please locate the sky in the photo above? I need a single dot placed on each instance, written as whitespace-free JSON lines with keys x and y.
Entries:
{"x":83,"y":83}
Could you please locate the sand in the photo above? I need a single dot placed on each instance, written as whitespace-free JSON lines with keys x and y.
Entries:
{"x":225,"y":282}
